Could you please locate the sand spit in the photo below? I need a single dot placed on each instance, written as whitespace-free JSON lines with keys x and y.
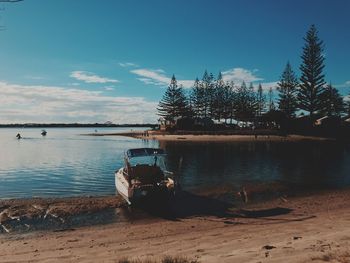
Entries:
{"x":151,"y":135}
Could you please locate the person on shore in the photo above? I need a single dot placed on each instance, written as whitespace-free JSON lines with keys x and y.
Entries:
{"x":243,"y":194}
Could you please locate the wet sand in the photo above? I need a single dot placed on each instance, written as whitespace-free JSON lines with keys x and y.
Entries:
{"x":25,"y":215}
{"x":285,"y":229}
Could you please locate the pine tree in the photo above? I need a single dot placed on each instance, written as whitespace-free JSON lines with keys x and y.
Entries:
{"x":287,"y":92}
{"x":229,"y":101}
{"x":271,"y":100}
{"x":174,"y":103}
{"x":208,"y":94}
{"x":197,"y":99}
{"x":312,"y":77}
{"x":245,"y":104}
{"x":347,"y":108}
{"x":211,"y":96}
{"x":253,"y":102}
{"x":332,"y":102}
{"x":261,"y":98}
{"x":218,"y":102}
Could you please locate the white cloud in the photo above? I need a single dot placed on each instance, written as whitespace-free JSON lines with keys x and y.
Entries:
{"x":89,"y":77}
{"x":157,"y":77}
{"x":127,"y":64}
{"x":238,"y":75}
{"x":24,"y":103}
{"x":74,"y":84}
{"x":150,"y":76}
{"x":109,"y":88}
{"x":267,"y":85}
{"x":186,"y":83}
{"x":346,"y":84}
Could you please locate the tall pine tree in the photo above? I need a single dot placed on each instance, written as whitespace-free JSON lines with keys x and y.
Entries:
{"x":312,"y":77}
{"x":347,"y":108}
{"x":218,"y":104}
{"x":253,"y":101}
{"x":245,"y":102}
{"x":174,"y":103}
{"x":261,"y":99}
{"x":197,"y":99}
{"x":271,"y":100}
{"x":287,"y":92}
{"x":229,"y":101}
{"x":332,"y":102}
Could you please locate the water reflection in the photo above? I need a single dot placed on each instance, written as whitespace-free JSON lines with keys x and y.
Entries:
{"x":63,"y":163}
{"x":303,"y":165}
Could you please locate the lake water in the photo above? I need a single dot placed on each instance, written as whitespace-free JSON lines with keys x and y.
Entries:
{"x":64,"y":163}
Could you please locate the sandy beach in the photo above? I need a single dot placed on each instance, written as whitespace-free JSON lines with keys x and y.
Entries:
{"x":286,"y":229}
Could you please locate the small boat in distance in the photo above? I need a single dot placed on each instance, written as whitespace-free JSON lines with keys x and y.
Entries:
{"x":144,"y":175}
{"x":43,"y":132}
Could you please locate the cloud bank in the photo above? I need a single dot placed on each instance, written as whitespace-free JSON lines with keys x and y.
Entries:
{"x":236,"y":75}
{"x":44,"y":104}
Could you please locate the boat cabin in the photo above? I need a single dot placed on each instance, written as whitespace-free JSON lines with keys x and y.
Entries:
{"x":143,"y":165}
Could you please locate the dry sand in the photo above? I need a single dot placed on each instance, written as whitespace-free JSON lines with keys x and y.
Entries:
{"x":312,"y":228}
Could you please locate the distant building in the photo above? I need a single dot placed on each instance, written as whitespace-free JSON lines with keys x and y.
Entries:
{"x":165,"y":124}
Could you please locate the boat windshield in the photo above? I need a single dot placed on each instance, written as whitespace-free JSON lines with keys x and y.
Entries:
{"x":158,"y":160}
{"x":139,"y":152}
{"x":147,"y":156}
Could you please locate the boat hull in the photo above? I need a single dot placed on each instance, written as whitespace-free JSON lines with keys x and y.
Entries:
{"x":122,"y":186}
{"x":144,"y":192}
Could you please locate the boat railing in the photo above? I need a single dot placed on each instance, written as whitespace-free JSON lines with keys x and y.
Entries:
{"x":168,"y":173}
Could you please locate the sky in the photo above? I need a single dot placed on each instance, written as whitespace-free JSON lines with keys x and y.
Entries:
{"x":93,"y":61}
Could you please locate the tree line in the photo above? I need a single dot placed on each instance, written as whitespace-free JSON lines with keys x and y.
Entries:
{"x":218,"y":99}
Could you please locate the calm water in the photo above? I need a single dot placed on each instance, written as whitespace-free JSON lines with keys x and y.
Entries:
{"x":62,"y":163}
{"x":66,"y":164}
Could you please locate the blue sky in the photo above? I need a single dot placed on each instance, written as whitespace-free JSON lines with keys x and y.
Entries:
{"x":97,"y":61}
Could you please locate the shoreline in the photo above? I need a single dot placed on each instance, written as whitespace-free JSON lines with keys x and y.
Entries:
{"x":234,"y":138}
{"x":150,"y":135}
{"x":310,"y":227}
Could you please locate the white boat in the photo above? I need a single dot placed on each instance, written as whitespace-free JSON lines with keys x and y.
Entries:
{"x":144,"y":175}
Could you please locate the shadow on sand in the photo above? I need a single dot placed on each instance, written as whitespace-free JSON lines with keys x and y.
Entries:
{"x":191,"y":205}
